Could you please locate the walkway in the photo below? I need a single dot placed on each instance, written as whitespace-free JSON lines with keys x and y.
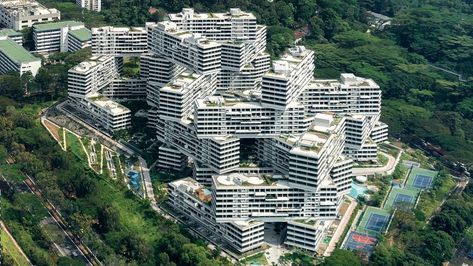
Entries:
{"x":387,"y":169}
{"x":341,"y":228}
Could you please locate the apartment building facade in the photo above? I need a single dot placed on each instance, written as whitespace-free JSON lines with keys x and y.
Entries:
{"x":21,"y":14}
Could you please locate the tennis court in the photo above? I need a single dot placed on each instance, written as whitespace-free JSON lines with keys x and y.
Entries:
{"x":400,"y":197}
{"x":374,"y":221}
{"x":420,"y":178}
{"x":360,"y":242}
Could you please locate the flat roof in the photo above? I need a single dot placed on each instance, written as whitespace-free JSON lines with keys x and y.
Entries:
{"x":10,"y":33}
{"x":27,"y":8}
{"x":193,"y":188}
{"x":107,"y":104}
{"x":245,"y":179}
{"x":172,"y":29}
{"x":181,"y":83}
{"x":119,"y":29}
{"x":288,"y":62}
{"x":90,"y":63}
{"x":16,"y":52}
{"x":82,"y":35}
{"x":232,"y":13}
{"x":56,"y":25}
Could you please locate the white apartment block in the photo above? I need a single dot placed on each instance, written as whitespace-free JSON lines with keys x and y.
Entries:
{"x":171,"y":158}
{"x":92,"y":5}
{"x":288,"y":77}
{"x":13,"y":57}
{"x":62,"y":36}
{"x":90,"y":81}
{"x":243,"y":43}
{"x":380,"y":132}
{"x":231,"y":25}
{"x":13,"y":35}
{"x":348,"y":95}
{"x":267,"y":142}
{"x":79,"y":39}
{"x":109,"y":114}
{"x":92,"y":75}
{"x":119,"y":41}
{"x":21,"y":14}
{"x":305,"y":233}
{"x":193,"y":200}
{"x":190,"y":50}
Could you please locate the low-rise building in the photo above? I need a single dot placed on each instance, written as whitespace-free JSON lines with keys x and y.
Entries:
{"x":79,"y":39}
{"x":21,"y":14}
{"x":14,"y":35}
{"x":14,"y":57}
{"x":57,"y":37}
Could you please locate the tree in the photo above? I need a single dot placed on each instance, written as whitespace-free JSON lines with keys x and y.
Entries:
{"x":341,"y":257}
{"x":437,"y":247}
{"x":109,"y":219}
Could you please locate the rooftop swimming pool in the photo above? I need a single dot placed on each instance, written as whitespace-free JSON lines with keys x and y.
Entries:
{"x":357,"y":190}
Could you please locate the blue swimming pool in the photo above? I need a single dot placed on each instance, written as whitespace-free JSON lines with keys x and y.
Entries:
{"x":357,"y":190}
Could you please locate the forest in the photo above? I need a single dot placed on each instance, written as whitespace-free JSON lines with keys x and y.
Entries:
{"x":419,"y":103}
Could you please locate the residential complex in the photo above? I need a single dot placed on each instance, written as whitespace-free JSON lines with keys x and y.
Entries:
{"x":62,"y":36}
{"x":267,"y":142}
{"x":20,"y":14}
{"x":13,"y":57}
{"x":92,"y":5}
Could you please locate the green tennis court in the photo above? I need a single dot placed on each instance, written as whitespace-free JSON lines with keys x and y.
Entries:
{"x":401,"y":197}
{"x":374,"y":221}
{"x":420,"y":178}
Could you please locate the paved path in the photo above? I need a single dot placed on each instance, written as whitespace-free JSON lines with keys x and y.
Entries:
{"x":389,"y":167}
{"x":340,"y":228}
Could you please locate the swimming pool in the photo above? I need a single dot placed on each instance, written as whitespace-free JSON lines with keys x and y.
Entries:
{"x":357,"y":190}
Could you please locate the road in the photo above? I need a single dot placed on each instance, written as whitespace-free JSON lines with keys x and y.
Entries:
{"x":54,"y":213}
{"x":389,"y":167}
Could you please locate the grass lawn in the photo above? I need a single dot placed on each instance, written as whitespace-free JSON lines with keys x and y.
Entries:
{"x":257,"y":259}
{"x":74,"y":145}
{"x":118,"y":167}
{"x":382,"y":160}
{"x":10,"y":249}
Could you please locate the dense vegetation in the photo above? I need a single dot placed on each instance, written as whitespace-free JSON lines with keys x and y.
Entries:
{"x":119,"y":227}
